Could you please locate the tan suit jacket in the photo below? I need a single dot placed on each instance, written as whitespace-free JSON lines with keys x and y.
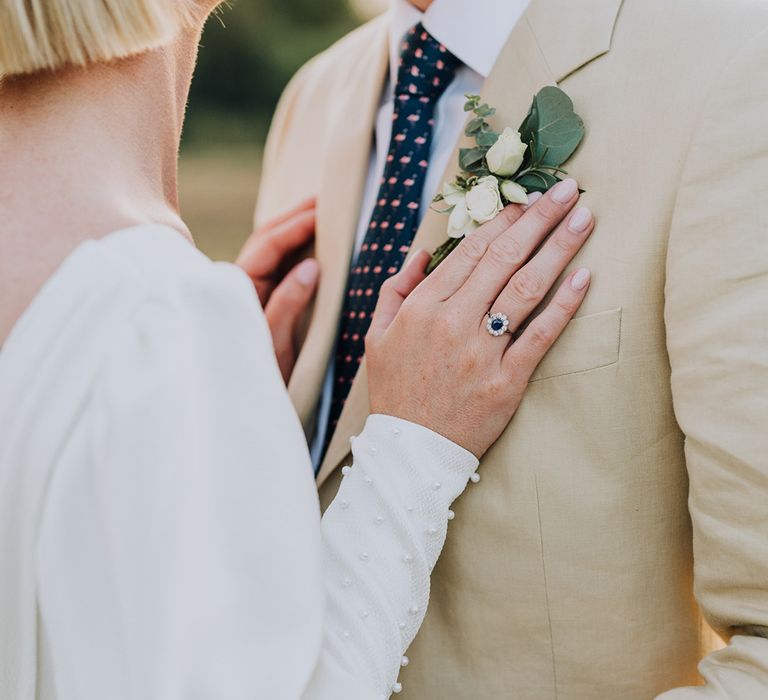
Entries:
{"x":635,"y":473}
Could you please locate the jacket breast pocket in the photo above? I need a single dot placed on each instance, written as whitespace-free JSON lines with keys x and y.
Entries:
{"x":588,"y":342}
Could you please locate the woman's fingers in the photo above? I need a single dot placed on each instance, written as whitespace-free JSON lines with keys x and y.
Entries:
{"x":448,"y":278}
{"x":286,"y":306}
{"x":395,"y":290}
{"x":266,"y":250}
{"x":529,"y":285}
{"x":509,"y":251}
{"x":522,"y":358}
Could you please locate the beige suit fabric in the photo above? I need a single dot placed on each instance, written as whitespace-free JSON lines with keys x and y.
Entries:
{"x":635,"y":473}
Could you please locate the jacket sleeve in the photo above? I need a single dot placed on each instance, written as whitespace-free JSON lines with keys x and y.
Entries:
{"x":717,"y":334}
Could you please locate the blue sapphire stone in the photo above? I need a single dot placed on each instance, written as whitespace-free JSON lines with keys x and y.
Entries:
{"x":497,"y":324}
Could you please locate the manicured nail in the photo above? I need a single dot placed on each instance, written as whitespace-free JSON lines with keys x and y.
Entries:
{"x":580,"y":220}
{"x":414,"y":257}
{"x":580,"y":279}
{"x":307,"y":272}
{"x":565,"y":191}
{"x":533,"y":197}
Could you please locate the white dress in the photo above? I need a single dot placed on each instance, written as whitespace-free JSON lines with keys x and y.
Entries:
{"x":160,"y":534}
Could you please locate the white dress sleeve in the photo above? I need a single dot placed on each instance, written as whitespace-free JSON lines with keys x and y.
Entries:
{"x":181,"y":552}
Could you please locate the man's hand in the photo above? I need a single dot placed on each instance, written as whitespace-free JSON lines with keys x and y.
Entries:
{"x":285,"y":290}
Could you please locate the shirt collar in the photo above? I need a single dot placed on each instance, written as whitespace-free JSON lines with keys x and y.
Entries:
{"x":474,"y":31}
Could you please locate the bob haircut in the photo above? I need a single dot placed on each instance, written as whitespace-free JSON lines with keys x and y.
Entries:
{"x":38,"y":35}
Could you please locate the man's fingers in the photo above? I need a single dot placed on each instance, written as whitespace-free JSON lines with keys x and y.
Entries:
{"x":396,"y":289}
{"x":304,"y":205}
{"x":264,"y":252}
{"x":286,"y":306}
{"x":459,"y":265}
{"x":522,"y":358}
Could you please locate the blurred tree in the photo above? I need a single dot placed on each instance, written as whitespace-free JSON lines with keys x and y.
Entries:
{"x":249,"y":52}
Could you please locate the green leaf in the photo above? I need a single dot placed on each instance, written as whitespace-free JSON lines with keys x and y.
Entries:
{"x":471,"y":103}
{"x":558,"y":129}
{"x":537,"y":181}
{"x":470,"y":158}
{"x":484,"y":111}
{"x":530,"y":124}
{"x":486,"y":138}
{"x":475,"y":126}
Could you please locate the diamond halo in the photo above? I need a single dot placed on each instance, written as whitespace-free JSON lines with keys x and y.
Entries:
{"x":497,"y":324}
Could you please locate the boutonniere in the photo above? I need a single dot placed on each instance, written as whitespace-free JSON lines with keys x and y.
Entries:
{"x":503,"y":168}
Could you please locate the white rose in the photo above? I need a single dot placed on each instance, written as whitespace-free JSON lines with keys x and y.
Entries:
{"x":513,"y":192}
{"x":460,"y":222}
{"x":484,"y":199}
{"x":452,"y":195}
{"x":506,"y":155}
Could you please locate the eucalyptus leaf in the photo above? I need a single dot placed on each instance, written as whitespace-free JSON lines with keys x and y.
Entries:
{"x":530,"y":124}
{"x":469,"y":158}
{"x":559,"y":130}
{"x":537,"y":181}
{"x":486,"y":138}
{"x":475,"y":126}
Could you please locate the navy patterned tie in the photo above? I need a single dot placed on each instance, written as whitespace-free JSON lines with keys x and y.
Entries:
{"x":426,"y":69}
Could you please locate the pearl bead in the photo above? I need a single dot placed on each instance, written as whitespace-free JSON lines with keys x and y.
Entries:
{"x":401,"y":625}
{"x":408,"y":559}
{"x":372,"y":450}
{"x":346,"y":635}
{"x":347,"y":582}
{"x":396,"y":432}
{"x":344,"y":504}
{"x":432,"y":530}
{"x":475,"y":478}
{"x":378,"y":519}
{"x":346,"y":470}
{"x":404,"y":661}
{"x":410,"y":509}
{"x":397,"y":688}
{"x":364,"y":556}
{"x":368,"y":480}
{"x":364,"y":614}
{"x":413,"y":610}
{"x":451,"y":515}
{"x":437,"y":486}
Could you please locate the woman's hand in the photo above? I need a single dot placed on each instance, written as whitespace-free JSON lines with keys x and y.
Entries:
{"x":430,"y":357}
{"x":284,"y":291}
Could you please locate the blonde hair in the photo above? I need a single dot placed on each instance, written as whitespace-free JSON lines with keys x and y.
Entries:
{"x":50,"y":34}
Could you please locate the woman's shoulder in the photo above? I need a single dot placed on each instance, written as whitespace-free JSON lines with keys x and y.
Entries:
{"x":117,"y":287}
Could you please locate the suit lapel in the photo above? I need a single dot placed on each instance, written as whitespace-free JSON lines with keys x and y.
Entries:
{"x":338,"y":205}
{"x":537,"y":53}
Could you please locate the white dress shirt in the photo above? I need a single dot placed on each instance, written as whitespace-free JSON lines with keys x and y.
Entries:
{"x":474,"y":31}
{"x":160,"y":532}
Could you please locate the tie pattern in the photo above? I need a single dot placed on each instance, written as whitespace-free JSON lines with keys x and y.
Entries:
{"x":426,"y":69}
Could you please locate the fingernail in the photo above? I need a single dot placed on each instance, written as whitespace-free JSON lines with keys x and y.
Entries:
{"x":580,"y":279}
{"x":565,"y":191}
{"x":307,"y":271}
{"x":580,"y":220}
{"x":414,"y":257}
{"x":532,"y":199}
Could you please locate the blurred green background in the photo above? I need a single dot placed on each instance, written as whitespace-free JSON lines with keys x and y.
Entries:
{"x":249,"y":52}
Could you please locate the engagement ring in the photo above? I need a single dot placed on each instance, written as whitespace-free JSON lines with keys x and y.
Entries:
{"x":497,"y":324}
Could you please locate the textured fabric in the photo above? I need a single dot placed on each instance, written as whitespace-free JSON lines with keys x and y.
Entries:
{"x":157,"y":509}
{"x":573,"y":572}
{"x":426,"y":69}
